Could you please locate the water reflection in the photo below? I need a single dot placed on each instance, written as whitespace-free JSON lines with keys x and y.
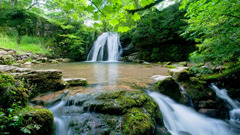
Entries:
{"x":106,"y":74}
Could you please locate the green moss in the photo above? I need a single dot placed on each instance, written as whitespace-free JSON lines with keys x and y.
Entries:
{"x":136,"y":122}
{"x":12,"y":91}
{"x":170,"y":66}
{"x":169,"y":87}
{"x":38,"y":121}
{"x":183,"y":64}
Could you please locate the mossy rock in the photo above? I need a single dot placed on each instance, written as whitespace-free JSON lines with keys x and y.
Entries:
{"x":169,"y":87}
{"x":136,"y":122}
{"x":39,"y":121}
{"x":198,"y":90}
{"x":12,"y":91}
{"x":183,"y":63}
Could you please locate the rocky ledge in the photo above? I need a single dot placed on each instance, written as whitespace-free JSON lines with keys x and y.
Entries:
{"x":42,"y":81}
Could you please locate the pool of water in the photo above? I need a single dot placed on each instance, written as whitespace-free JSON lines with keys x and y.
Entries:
{"x":102,"y":75}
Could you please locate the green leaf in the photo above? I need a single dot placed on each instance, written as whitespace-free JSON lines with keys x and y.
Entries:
{"x":114,"y":22}
{"x":146,"y":2}
{"x":123,"y":29}
{"x":136,"y":17}
{"x":68,"y":6}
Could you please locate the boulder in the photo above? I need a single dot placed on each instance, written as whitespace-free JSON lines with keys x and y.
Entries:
{"x":180,"y":73}
{"x":209,"y":112}
{"x":3,"y":53}
{"x":183,"y":63}
{"x":35,"y":62}
{"x":12,"y":69}
{"x":28,"y":63}
{"x":169,"y":87}
{"x":42,"y":59}
{"x":76,"y":81}
{"x":65,"y":60}
{"x":20,"y":61}
{"x":159,"y":77}
{"x":42,"y":118}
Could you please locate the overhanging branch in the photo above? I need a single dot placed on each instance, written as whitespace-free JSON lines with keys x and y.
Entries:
{"x":132,"y":11}
{"x":98,"y":8}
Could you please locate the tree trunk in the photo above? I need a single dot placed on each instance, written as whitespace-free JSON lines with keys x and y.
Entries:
{"x":19,"y":39}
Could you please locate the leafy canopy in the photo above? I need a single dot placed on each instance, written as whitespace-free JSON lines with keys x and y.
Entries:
{"x":215,"y":25}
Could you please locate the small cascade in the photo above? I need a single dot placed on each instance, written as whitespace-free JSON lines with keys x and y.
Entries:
{"x":222,"y":93}
{"x":62,"y":127}
{"x":107,"y":47}
{"x":233,"y":104}
{"x":180,"y":119}
{"x":186,"y":96}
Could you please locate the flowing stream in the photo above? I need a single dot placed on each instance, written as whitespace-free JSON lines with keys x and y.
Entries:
{"x":107,"y":47}
{"x":182,"y":120}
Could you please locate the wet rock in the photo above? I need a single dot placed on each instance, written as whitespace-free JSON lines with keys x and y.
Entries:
{"x":207,"y":104}
{"x":209,"y":112}
{"x":28,"y":63}
{"x":54,"y":61}
{"x":66,"y":60}
{"x":76,"y":81}
{"x":137,"y":123}
{"x":159,"y":77}
{"x":35,"y":62}
{"x":13,"y":69}
{"x":183,"y":63}
{"x":169,"y":87}
{"x":20,"y":61}
{"x":3,"y":53}
{"x":118,"y":112}
{"x":42,"y":59}
{"x":167,"y":63}
{"x":180,"y":73}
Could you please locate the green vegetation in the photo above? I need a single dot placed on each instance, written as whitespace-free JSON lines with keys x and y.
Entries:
{"x":28,"y":43}
{"x":15,"y":116}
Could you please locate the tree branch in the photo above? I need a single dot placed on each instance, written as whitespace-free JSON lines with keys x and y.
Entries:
{"x":132,"y":11}
{"x":98,"y":8}
{"x":32,"y":5}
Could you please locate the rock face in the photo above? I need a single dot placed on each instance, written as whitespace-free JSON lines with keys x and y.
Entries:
{"x":169,"y":87}
{"x":43,"y":80}
{"x":114,"y":112}
{"x":76,"y":81}
{"x":180,"y":73}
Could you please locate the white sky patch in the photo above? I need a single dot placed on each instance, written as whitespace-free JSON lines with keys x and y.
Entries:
{"x":90,"y":23}
{"x":165,"y":4}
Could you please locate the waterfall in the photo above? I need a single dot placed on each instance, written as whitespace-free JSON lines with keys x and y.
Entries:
{"x":107,"y":47}
{"x":182,"y":120}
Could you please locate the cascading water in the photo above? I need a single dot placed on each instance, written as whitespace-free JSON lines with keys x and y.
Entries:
{"x":182,"y":120}
{"x":107,"y":47}
{"x":234,"y":105}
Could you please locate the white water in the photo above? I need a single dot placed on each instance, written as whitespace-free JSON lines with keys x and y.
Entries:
{"x":62,"y":127}
{"x":107,"y":47}
{"x":182,"y":120}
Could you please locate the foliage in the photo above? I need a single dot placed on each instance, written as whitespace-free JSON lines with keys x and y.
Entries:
{"x":13,"y":100}
{"x":157,"y":38}
{"x":28,"y":44}
{"x":214,"y":24}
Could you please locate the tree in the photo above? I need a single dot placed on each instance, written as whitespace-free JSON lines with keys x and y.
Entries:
{"x":215,"y":25}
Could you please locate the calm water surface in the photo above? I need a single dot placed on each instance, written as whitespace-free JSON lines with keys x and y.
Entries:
{"x":108,"y":73}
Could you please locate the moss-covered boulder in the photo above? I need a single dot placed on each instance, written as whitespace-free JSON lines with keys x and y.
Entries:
{"x":169,"y":87}
{"x":180,"y":73}
{"x":12,"y":91}
{"x":138,"y":113}
{"x":38,"y":121}
{"x":136,"y":122}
